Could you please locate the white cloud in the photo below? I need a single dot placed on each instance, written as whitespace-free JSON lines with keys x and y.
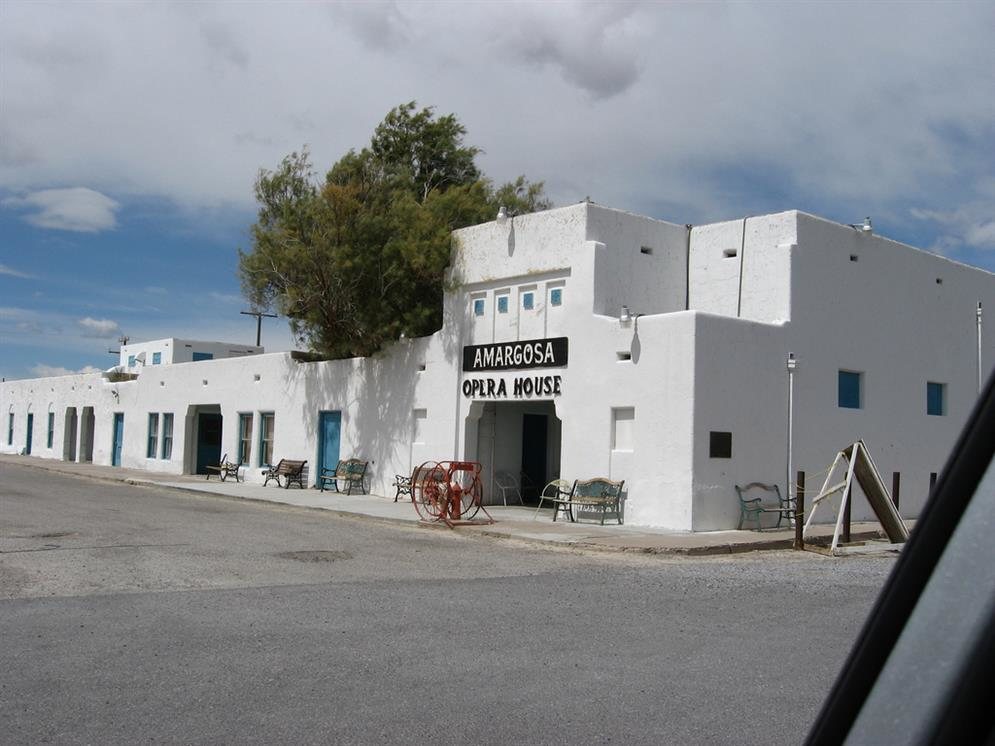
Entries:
{"x":970,"y":225}
{"x":74,"y":209}
{"x":11,"y":272}
{"x":44,"y":371}
{"x":99,"y":328}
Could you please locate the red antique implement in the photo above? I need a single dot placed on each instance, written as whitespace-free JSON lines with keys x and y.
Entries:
{"x":448,"y":491}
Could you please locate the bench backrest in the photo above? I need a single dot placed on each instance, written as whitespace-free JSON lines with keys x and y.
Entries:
{"x":289,"y":468}
{"x":768,"y":493}
{"x":351,"y":467}
{"x":598,"y":488}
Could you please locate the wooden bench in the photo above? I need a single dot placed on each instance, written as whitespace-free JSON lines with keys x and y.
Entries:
{"x":402,"y":486}
{"x":224,"y":470}
{"x":770,"y":501}
{"x":351,"y":471}
{"x":291,"y":471}
{"x":600,"y":494}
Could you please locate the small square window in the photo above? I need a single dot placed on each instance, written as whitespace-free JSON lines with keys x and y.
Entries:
{"x":478,"y":307}
{"x":936,"y":398}
{"x":502,"y":303}
{"x":719,"y":445}
{"x":528,"y":301}
{"x":156,"y":358}
{"x":131,"y":361}
{"x":556,"y":297}
{"x":850,"y":394}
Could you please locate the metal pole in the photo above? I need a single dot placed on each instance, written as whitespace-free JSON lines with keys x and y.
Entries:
{"x":791,"y":365}
{"x":979,"y":347}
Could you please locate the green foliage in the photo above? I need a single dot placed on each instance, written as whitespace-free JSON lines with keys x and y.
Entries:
{"x":360,"y":259}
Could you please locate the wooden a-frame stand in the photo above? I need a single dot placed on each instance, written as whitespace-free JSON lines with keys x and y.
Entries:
{"x":860,"y":465}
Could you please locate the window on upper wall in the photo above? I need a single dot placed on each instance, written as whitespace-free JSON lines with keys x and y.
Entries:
{"x":502,"y":304}
{"x":167,"y":436}
{"x":267,"y":423}
{"x":556,"y":297}
{"x":51,"y":429}
{"x":478,"y":307}
{"x":156,"y":358}
{"x":719,"y":444}
{"x":244,"y":438}
{"x":936,"y":398}
{"x":131,"y":361}
{"x":850,"y":393}
{"x":153,"y":435}
{"x":528,"y":300}
{"x":203,"y":356}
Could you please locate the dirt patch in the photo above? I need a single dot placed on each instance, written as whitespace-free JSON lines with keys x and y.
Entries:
{"x":52,"y":535}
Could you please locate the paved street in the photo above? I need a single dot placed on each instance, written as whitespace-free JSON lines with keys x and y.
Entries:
{"x":140,"y":614}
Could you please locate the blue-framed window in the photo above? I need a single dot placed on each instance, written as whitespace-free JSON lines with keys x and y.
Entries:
{"x":936,"y":398}
{"x":131,"y":361}
{"x":167,"y":435}
{"x":244,"y":438}
{"x":502,"y":304}
{"x":850,"y":390}
{"x":478,"y":307}
{"x":203,"y":356}
{"x":528,"y":301}
{"x":156,"y":358}
{"x":153,"y":441}
{"x":267,"y":424}
{"x":51,"y":430}
{"x":556,"y":297}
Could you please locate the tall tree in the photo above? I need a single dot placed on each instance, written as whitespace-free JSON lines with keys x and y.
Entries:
{"x":359,"y":259}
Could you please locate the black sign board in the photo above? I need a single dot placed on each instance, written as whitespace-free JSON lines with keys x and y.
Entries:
{"x":531,"y":353}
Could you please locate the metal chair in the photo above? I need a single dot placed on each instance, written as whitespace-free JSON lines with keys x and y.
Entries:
{"x":505,"y":483}
{"x":558,"y":493}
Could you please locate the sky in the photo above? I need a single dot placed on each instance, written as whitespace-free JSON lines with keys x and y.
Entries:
{"x":131,"y":133}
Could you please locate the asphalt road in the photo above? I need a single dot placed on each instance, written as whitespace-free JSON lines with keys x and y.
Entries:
{"x":140,"y":615}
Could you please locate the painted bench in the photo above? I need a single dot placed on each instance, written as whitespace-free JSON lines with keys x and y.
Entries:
{"x":768,"y":501}
{"x":351,"y":472}
{"x":291,"y":471}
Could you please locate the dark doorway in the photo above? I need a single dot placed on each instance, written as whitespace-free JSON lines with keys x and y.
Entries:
{"x":534,"y":446}
{"x":208,"y":441}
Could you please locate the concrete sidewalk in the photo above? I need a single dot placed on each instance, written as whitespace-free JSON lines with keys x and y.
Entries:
{"x":512,"y":522}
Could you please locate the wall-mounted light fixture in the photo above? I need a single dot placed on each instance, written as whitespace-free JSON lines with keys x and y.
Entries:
{"x":864,"y":227}
{"x":625,"y":317}
{"x":502,"y":216}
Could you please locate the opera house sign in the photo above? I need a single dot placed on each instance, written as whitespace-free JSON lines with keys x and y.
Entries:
{"x":503,"y":356}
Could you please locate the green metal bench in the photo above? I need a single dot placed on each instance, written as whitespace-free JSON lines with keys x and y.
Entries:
{"x":770,"y":501}
{"x":351,"y":472}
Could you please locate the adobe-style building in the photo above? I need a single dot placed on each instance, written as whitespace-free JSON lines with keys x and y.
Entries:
{"x":586,"y":341}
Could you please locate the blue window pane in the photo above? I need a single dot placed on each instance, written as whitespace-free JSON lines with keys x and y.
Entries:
{"x":556,"y":297}
{"x":849,"y":389}
{"x":156,"y":358}
{"x":478,"y":307}
{"x":131,"y":361}
{"x":934,"y":398}
{"x":528,"y":301}
{"x":503,"y":304}
{"x":203,"y":356}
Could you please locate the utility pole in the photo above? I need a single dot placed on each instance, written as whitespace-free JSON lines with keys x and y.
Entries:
{"x":259,"y":321}
{"x":123,"y":340}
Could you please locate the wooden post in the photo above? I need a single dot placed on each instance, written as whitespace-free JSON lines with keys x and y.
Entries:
{"x":799,"y":511}
{"x":896,"y":487}
{"x":846,"y":517}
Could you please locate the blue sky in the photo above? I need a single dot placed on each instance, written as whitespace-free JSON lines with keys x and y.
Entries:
{"x":131,"y":134}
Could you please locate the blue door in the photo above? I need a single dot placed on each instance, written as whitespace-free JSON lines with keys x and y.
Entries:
{"x":118,"y":438}
{"x":31,"y":429}
{"x":329,"y":428}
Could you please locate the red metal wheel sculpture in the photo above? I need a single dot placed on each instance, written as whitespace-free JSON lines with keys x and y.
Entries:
{"x":449,"y":491}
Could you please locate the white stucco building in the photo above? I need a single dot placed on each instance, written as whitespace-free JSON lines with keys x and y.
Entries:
{"x":538,"y":369}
